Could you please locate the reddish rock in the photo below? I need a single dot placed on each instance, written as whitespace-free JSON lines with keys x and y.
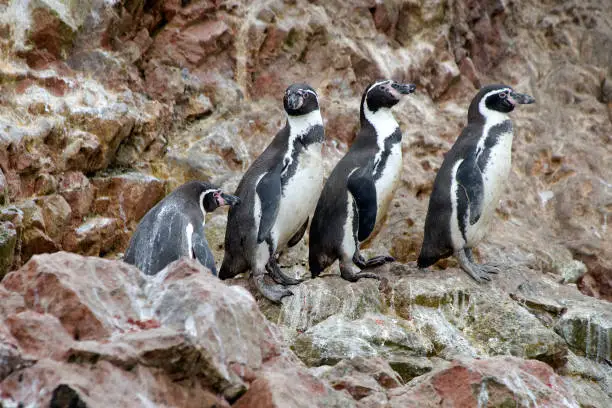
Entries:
{"x":283,"y":385}
{"x":202,"y":39}
{"x":33,"y":238}
{"x":186,"y":296}
{"x":160,"y":347}
{"x":58,"y":384}
{"x":92,"y":297}
{"x":56,"y":214}
{"x":164,"y":82}
{"x":127,"y":197}
{"x":96,"y":236}
{"x":98,"y":330}
{"x":467,"y":68}
{"x":78,"y":192}
{"x":362,"y":377}
{"x":111,"y":127}
{"x":82,"y":152}
{"x":39,"y":335}
{"x":385,"y":17}
{"x":10,"y":302}
{"x":10,"y":354}
{"x":597,"y":281}
{"x":147,"y":140}
{"x":497,"y":381}
{"x":45,"y":184}
{"x":443,"y":72}
{"x":47,"y":31}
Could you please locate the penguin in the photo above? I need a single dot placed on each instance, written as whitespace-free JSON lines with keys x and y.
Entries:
{"x":468,"y":186}
{"x":278,"y":194}
{"x":359,"y":189}
{"x":174,"y":228}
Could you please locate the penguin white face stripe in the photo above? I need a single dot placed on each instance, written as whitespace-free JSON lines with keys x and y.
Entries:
{"x":311,"y":92}
{"x":387,"y":81}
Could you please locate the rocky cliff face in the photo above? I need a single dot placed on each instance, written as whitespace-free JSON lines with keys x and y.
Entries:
{"x":107,"y":105}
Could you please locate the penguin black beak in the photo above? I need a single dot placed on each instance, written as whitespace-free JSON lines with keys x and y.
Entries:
{"x":227,"y":199}
{"x":404,"y":89}
{"x":522,"y":99}
{"x":295,"y":101}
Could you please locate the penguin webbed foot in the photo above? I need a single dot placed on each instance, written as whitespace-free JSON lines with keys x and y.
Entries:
{"x":279,"y":277}
{"x":480,"y":273}
{"x":373,"y":262}
{"x":271,"y":291}
{"x":347,"y":273}
{"x":379,"y":260}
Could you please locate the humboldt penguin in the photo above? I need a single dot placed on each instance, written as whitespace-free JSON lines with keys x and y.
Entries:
{"x":278,"y":194}
{"x":175,"y":228}
{"x":358,"y":191}
{"x":468,"y":186}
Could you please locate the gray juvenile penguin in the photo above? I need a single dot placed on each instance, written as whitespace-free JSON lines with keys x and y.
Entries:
{"x":468,"y":186}
{"x":358,"y":191}
{"x":278,"y":194}
{"x":175,"y":228}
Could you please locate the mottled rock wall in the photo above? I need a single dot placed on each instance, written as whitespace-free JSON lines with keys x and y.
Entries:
{"x":182,"y":89}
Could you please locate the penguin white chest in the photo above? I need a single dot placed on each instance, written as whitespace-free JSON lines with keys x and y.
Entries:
{"x":387,"y":182}
{"x":300,"y":194}
{"x":494,"y":176}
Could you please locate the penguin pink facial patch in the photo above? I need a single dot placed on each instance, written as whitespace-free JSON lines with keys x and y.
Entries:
{"x":219,"y":198}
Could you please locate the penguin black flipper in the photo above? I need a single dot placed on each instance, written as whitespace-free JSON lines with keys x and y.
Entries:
{"x":362,"y":188}
{"x":269,"y":194}
{"x":201,"y":251}
{"x":469,"y":178}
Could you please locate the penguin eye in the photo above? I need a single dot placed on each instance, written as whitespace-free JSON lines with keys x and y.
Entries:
{"x":503,"y":95}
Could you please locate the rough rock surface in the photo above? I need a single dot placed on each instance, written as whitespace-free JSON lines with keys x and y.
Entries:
{"x":497,"y":382}
{"x":419,"y":321}
{"x":100,"y":332}
{"x":106,"y":105}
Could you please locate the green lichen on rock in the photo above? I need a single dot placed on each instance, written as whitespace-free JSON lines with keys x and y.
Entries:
{"x":588,"y":331}
{"x":315,"y":300}
{"x":373,"y":335}
{"x":8,"y":240}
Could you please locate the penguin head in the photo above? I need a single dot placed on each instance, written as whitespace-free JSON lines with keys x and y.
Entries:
{"x":498,"y":98}
{"x":384,"y":94}
{"x":209,"y":196}
{"x":300,"y":99}
{"x":212,"y":198}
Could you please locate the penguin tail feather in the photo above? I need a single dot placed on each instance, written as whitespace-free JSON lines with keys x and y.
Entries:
{"x":425,"y":261}
{"x":430,"y":256}
{"x":315,"y":265}
{"x":228,"y":270}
